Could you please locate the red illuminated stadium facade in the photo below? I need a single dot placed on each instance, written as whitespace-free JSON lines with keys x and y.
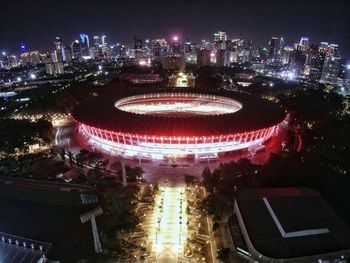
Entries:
{"x":171,"y":124}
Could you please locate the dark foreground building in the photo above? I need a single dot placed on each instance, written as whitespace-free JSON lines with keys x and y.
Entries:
{"x":288,"y":225}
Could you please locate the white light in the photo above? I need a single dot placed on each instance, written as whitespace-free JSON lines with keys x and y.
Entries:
{"x":3,"y":53}
{"x":169,"y":227}
{"x":32,"y":76}
{"x":99,"y":67}
{"x":19,"y":79}
{"x":348,"y":66}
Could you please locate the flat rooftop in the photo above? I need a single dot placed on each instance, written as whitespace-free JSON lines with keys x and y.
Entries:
{"x":291,"y":222}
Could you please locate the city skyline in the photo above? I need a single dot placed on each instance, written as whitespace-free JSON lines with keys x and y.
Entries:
{"x":320,"y":21}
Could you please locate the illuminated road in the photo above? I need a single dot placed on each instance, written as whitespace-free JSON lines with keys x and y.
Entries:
{"x":169,"y":233}
{"x":182,"y":80}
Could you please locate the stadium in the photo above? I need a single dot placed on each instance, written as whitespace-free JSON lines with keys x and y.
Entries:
{"x":177,"y":123}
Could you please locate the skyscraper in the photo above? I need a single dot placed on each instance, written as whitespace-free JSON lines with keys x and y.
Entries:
{"x":203,"y":57}
{"x":85,"y":45}
{"x":159,"y":47}
{"x":287,"y":55}
{"x":220,"y":39}
{"x":275,"y":49}
{"x":176,"y":46}
{"x":304,"y":43}
{"x":76,"y":49}
{"x":331,"y":68}
{"x":59,"y":54}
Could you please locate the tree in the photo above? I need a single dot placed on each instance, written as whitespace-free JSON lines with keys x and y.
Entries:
{"x":207,"y":179}
{"x":189,"y":180}
{"x":63,"y":154}
{"x":93,"y":176}
{"x":70,"y":157}
{"x":216,"y":226}
{"x":224,"y":255}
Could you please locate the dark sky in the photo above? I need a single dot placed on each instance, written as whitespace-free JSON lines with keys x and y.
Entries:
{"x":37,"y":22}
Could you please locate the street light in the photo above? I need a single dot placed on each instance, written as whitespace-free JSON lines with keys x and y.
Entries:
{"x":68,"y":141}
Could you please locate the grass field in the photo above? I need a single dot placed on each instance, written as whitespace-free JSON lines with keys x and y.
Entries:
{"x":42,"y":195}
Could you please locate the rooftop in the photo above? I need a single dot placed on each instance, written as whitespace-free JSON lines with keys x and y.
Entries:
{"x":291,"y":222}
{"x":256,"y":113}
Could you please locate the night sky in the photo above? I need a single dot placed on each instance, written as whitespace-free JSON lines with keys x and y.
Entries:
{"x":38,"y":22}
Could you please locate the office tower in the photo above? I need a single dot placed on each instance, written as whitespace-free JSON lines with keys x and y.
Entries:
{"x":299,"y":59}
{"x":203,"y":57}
{"x":13,"y":63}
{"x":76,"y":49}
{"x":137,"y":43}
{"x":31,"y":58}
{"x":147,"y":48}
{"x":220,"y":36}
{"x":68,"y":54}
{"x":330,"y":70}
{"x":223,"y":58}
{"x":287,"y":55}
{"x":58,"y":43}
{"x":97,"y":42}
{"x":59,"y":54}
{"x":176,"y":46}
{"x":304,"y":43}
{"x":137,"y":46}
{"x":273,"y":46}
{"x":159,"y":47}
{"x":220,"y":39}
{"x":85,"y":45}
{"x":275,"y":49}
{"x":103,"y":40}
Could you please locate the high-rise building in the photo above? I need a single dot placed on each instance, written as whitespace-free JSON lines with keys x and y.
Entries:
{"x":220,"y":39}
{"x":331,"y":68}
{"x":58,"y":43}
{"x":220,"y":36}
{"x":31,"y":58}
{"x":223,"y":58}
{"x":287,"y":55}
{"x":203,"y":57}
{"x":176,"y":46}
{"x":13,"y":61}
{"x":299,"y":59}
{"x":59,"y":53}
{"x":76,"y":49}
{"x":275,"y":49}
{"x":159,"y":47}
{"x":138,"y":46}
{"x":304,"y":43}
{"x":68,"y":54}
{"x":97,"y":41}
{"x":85,"y":45}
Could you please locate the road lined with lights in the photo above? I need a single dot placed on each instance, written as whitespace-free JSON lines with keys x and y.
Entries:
{"x":169,"y":231}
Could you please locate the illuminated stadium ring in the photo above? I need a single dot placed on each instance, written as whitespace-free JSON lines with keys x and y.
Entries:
{"x":160,"y":124}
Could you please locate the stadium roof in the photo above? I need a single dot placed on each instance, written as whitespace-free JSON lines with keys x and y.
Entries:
{"x":291,"y":222}
{"x":100,"y":112}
